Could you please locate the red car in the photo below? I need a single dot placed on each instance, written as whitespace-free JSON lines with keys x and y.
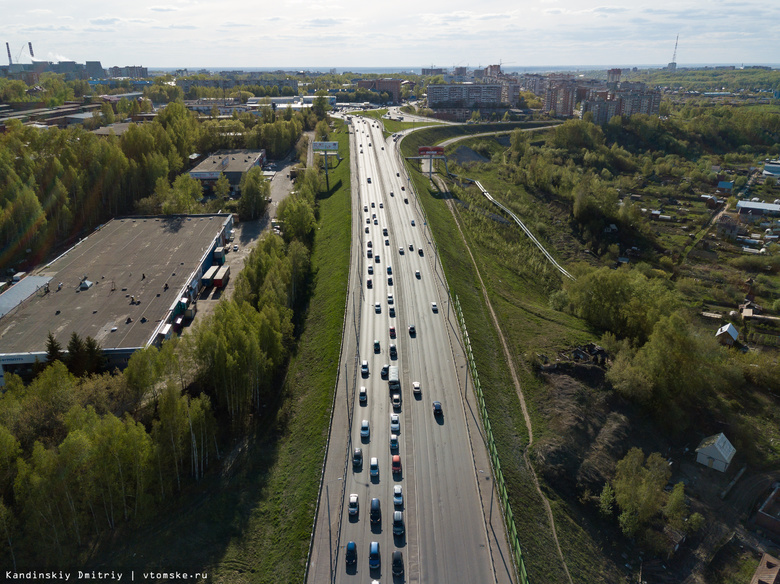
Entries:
{"x":396,"y":466}
{"x":392,"y":332}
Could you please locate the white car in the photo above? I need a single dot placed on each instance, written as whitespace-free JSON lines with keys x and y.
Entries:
{"x":416,"y":388}
{"x":434,"y":307}
{"x":378,"y":307}
{"x":395,"y":423}
{"x":398,"y":496}
{"x":353,"y":504}
{"x":365,"y":431}
{"x":393,"y":442}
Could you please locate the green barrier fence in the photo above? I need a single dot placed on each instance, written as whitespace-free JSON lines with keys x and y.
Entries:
{"x":514,"y":542}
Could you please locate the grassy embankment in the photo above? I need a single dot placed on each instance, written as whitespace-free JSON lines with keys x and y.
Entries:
{"x":253,"y":522}
{"x":520,"y":300}
{"x":393,"y":126}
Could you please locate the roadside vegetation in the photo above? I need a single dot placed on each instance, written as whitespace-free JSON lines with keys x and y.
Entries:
{"x":659,"y":371}
{"x":194,"y":442}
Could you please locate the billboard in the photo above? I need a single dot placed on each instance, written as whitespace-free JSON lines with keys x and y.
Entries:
{"x":327,"y":146}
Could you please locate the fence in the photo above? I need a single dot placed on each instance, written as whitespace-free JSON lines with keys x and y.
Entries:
{"x":498,"y":476}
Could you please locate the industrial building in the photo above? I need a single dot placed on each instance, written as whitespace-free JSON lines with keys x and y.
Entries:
{"x":132,"y":283}
{"x":232,"y":163}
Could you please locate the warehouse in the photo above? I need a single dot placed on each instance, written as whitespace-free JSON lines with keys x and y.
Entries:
{"x":127,"y":285}
{"x":232,"y":163}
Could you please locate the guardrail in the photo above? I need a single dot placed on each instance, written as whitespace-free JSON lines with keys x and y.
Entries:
{"x":498,"y":476}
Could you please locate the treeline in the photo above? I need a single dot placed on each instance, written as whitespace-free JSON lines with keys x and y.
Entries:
{"x":711,"y":79}
{"x":57,"y":185}
{"x":80,"y":456}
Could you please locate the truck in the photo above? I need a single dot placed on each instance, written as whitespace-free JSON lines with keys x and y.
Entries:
{"x":221,"y":277}
{"x":393,"y":380}
{"x":209,"y":276}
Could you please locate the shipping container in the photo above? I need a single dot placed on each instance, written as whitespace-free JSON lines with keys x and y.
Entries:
{"x":208,"y":277}
{"x":222,"y":277}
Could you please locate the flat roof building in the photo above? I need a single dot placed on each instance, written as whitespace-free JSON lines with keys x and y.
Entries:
{"x":232,"y":163}
{"x":121,"y":285}
{"x":464,"y":95}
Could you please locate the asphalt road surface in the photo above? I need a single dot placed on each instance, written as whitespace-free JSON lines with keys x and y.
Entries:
{"x":452,"y":533}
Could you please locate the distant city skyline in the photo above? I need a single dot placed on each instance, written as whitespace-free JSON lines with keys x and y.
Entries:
{"x":347,"y":34}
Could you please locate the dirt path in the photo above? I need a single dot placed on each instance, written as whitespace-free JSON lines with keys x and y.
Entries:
{"x":518,"y":388}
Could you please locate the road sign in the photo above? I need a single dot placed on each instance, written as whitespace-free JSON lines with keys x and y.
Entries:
{"x":326,"y":146}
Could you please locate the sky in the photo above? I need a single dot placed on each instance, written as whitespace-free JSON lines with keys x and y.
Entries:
{"x":360,"y":33}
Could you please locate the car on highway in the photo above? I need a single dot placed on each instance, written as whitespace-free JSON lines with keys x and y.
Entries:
{"x":397,"y":174}
{"x":363,"y":395}
{"x":412,"y":330}
{"x":392,"y":194}
{"x":357,"y":458}
{"x":392,"y":332}
{"x":398,"y":496}
{"x":365,"y":430}
{"x":354,"y":506}
{"x":384,"y":231}
{"x":368,"y":220}
{"x":403,"y":188}
{"x":406,"y":200}
{"x":389,"y":298}
{"x":369,"y":178}
{"x":437,"y":411}
{"x":376,"y":222}
{"x":370,"y":243}
{"x":420,"y":251}
{"x":369,"y":283}
{"x":396,"y":463}
{"x":395,"y":423}
{"x":381,"y":205}
{"x":373,"y":204}
{"x":365,"y":208}
{"x":398,"y":522}
{"x":387,"y":242}
{"x":367,"y":228}
{"x":389,"y":280}
{"x":434,"y":307}
{"x":415,"y":388}
{"x":375,"y":511}
{"x":370,"y":269}
{"x":393,"y":351}
{"x":417,"y":274}
{"x":374,"y":558}
{"x":396,"y":401}
{"x":351,"y":553}
{"x":401,"y":251}
{"x":393,"y":442}
{"x":389,"y":270}
{"x":369,"y":253}
{"x":378,"y":308}
{"x":377,"y":348}
{"x":376,"y":258}
{"x":392,"y":311}
{"x":411,"y":247}
{"x":364,"y":368}
{"x":373,"y":466}
{"x":413,"y":223}
{"x":398,"y":563}
{"x":235,"y":248}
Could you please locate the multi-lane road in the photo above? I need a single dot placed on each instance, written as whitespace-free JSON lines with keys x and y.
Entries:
{"x":451,"y":533}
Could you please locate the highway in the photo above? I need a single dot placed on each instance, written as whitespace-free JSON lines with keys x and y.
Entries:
{"x":446,"y":529}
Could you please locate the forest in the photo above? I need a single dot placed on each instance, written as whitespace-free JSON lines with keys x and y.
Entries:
{"x":57,"y":185}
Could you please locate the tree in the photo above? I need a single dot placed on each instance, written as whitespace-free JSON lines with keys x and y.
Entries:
{"x":254,"y":192}
{"x":320,"y":105}
{"x":77,"y":355}
{"x":222,"y":187}
{"x":94,"y":358}
{"x":107,"y":116}
{"x":607,"y":500}
{"x":639,"y":488}
{"x":54,"y":350}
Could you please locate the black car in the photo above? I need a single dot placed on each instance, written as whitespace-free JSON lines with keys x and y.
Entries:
{"x":398,"y":563}
{"x":357,"y":458}
{"x":437,"y":411}
{"x":376,"y":511}
{"x":351,"y":553}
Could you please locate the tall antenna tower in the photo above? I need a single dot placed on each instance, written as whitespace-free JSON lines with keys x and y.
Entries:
{"x":673,"y":65}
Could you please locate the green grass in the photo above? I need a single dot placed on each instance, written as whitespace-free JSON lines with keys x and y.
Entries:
{"x":252,"y":523}
{"x":393,"y":126}
{"x":731,"y":565}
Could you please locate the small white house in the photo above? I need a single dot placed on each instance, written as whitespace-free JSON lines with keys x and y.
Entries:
{"x":727,"y":334}
{"x":715,"y":452}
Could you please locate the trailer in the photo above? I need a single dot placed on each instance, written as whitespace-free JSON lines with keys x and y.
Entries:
{"x":222,"y":277}
{"x":208,"y":277}
{"x":393,"y":381}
